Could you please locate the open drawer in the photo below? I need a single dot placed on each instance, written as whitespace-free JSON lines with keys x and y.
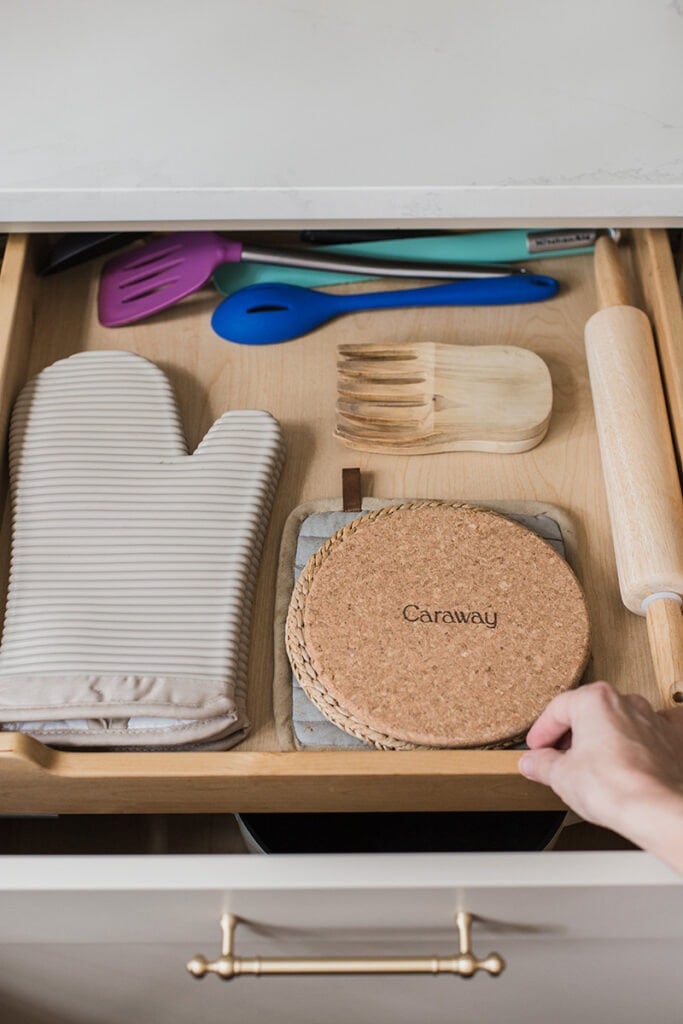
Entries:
{"x":42,"y":320}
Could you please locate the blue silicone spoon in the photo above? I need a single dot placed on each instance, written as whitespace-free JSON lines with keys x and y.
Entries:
{"x":268,"y":313}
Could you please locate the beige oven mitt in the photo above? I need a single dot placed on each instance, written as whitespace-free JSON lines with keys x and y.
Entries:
{"x":133,"y":563}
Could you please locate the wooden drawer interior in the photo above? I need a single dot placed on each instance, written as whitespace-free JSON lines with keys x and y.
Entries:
{"x":42,"y":320}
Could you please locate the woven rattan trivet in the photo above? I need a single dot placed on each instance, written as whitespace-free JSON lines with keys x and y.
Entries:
{"x":436,"y":624}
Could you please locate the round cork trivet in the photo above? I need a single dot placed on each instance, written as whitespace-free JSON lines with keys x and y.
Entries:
{"x":436,"y":624}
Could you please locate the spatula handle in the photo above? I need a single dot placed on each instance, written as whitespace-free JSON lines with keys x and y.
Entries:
{"x":313,"y":259}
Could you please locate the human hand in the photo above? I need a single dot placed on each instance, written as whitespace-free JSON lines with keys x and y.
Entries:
{"x":616,"y":762}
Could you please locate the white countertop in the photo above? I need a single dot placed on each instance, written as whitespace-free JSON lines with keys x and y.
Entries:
{"x":295,"y":112}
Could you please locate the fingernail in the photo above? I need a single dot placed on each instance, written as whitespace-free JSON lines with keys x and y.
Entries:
{"x":526,"y":766}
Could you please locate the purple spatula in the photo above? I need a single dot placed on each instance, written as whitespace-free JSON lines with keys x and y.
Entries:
{"x":162,"y":272}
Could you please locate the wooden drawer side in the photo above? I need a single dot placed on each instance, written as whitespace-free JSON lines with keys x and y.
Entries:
{"x":17,"y":293}
{"x":662,"y":302}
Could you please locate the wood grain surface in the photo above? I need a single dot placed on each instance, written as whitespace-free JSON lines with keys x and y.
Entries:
{"x":426,"y":398}
{"x":640,"y":471}
{"x":661,"y":300}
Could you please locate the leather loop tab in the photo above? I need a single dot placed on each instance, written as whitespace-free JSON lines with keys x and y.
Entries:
{"x":351,"y":491}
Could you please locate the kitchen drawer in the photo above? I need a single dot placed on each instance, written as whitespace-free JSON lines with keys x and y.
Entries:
{"x":106,"y":940}
{"x":42,"y":320}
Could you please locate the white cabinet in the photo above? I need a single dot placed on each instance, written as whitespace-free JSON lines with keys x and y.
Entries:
{"x":105,"y":940}
{"x":444,"y":113}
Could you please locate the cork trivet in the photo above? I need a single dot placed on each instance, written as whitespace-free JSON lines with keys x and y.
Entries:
{"x":370,"y":651}
{"x":300,"y":724}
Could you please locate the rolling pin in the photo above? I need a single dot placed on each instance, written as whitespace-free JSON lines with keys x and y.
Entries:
{"x":639,"y":467}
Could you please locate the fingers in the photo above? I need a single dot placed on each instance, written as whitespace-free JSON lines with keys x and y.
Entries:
{"x":674,"y":716}
{"x":638,"y":703}
{"x":541,"y":765}
{"x":553,"y":723}
{"x":560,"y":716}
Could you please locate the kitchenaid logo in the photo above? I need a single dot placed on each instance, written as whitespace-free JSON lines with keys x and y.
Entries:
{"x":451,"y":616}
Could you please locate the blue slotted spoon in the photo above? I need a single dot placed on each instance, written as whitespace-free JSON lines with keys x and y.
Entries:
{"x":268,"y":313}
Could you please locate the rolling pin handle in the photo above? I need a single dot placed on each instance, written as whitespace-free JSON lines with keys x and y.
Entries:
{"x":664,"y":615}
{"x":610,"y":278}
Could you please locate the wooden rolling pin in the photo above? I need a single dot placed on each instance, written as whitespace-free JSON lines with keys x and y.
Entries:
{"x":639,"y":467}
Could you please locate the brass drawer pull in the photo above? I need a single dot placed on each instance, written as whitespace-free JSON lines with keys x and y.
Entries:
{"x":228,"y":966}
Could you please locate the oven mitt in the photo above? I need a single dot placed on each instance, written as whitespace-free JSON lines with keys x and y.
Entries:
{"x":133,"y":563}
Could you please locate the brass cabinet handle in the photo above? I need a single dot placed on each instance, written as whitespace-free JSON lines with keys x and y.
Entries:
{"x":228,"y":966}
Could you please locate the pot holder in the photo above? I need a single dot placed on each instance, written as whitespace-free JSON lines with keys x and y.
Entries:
{"x":133,"y":563}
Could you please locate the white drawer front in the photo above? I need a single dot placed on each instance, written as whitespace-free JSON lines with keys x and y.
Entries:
{"x":107,"y":939}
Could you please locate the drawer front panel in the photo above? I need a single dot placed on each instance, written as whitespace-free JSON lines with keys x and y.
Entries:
{"x":108,"y":940}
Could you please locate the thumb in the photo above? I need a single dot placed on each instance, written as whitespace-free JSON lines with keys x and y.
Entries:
{"x":243,"y":451}
{"x":249,"y":436}
{"x":541,"y":765}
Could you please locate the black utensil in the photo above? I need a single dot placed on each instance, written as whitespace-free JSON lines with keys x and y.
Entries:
{"x":348,"y":237}
{"x":73,"y":249}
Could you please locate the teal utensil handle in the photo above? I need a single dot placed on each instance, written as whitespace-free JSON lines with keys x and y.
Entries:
{"x":507,"y":246}
{"x":268,"y":313}
{"x":232,"y":277}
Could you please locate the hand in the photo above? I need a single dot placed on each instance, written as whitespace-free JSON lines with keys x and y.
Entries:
{"x":616,"y":762}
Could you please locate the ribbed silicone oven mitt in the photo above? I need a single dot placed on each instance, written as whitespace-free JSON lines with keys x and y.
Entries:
{"x":133,"y":563}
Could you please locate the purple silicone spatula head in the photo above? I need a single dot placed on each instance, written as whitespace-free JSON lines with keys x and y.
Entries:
{"x":160,"y":273}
